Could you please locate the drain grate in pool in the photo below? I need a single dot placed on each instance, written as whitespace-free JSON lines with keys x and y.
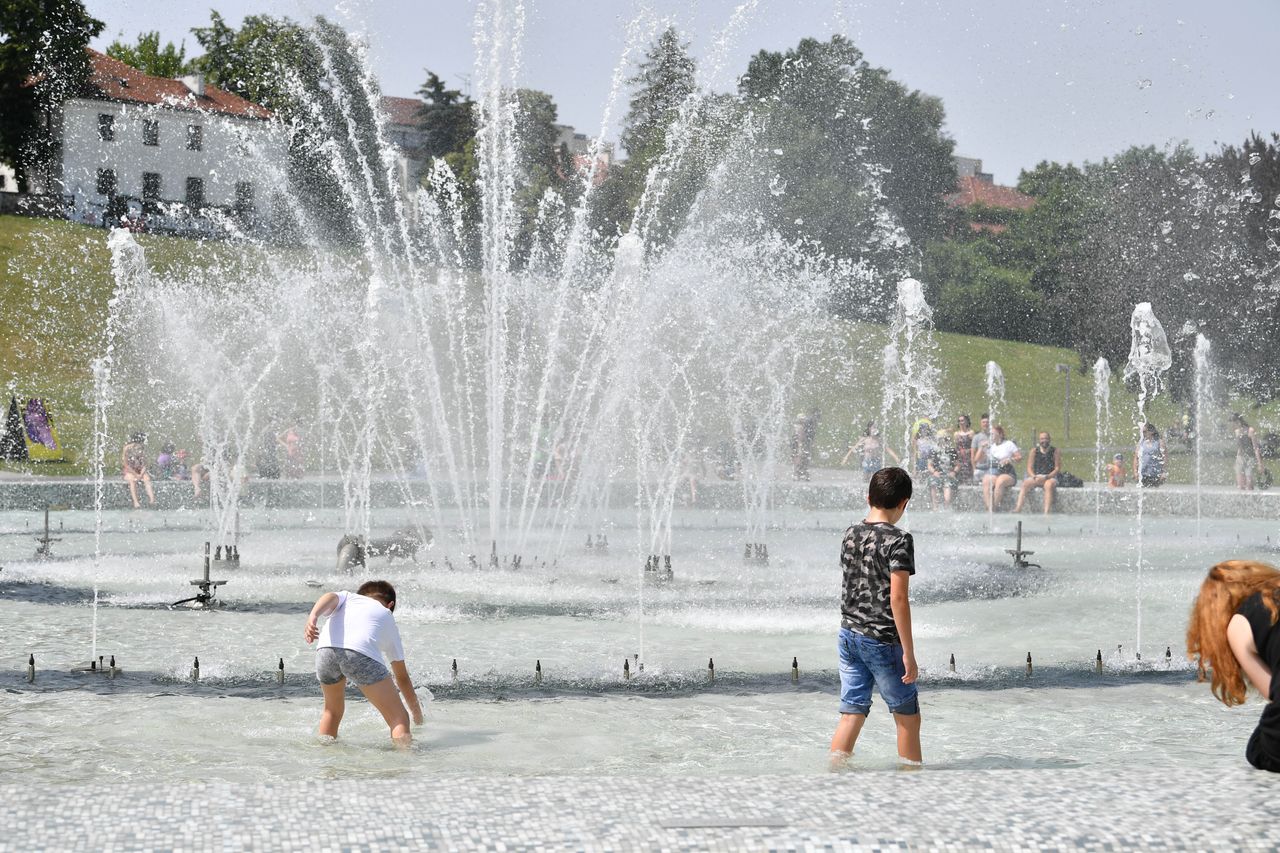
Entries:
{"x":722,"y":823}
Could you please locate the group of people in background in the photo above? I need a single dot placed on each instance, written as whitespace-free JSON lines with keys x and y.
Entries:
{"x":278,"y":454}
{"x":945,"y":459}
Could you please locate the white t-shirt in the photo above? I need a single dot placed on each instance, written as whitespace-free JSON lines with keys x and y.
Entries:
{"x":363,"y":625}
{"x":1001,"y":453}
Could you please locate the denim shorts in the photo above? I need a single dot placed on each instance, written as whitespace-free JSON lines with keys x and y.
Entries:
{"x":865,"y":662}
{"x":333,"y":665}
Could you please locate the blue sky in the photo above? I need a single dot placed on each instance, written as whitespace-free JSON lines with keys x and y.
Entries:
{"x":1022,"y":80}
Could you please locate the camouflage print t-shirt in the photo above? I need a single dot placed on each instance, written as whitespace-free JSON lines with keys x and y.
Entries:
{"x":869,"y":554}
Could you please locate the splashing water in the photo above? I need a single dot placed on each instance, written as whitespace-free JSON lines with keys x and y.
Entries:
{"x":911,"y":372}
{"x":1149,"y":358}
{"x":1102,"y":413}
{"x":1203,"y":389}
{"x":995,"y":391}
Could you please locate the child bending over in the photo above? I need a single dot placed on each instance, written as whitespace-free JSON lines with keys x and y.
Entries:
{"x":358,"y":634}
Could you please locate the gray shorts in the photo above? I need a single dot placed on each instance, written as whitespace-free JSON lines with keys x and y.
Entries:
{"x":333,"y":665}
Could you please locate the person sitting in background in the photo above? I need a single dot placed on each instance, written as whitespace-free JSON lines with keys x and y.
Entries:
{"x":1232,"y":635}
{"x":291,"y":441}
{"x":164,"y":461}
{"x":963,"y":438}
{"x":1042,"y":472}
{"x":923,"y":446}
{"x":1149,"y":458}
{"x":1116,"y":472}
{"x":978,"y":446}
{"x":998,"y":458}
{"x":944,"y":465}
{"x":1248,"y":453}
{"x":133,"y":462}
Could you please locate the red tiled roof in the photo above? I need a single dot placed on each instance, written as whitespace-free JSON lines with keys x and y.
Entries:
{"x":401,"y":110}
{"x":977,"y":191}
{"x":113,"y":80}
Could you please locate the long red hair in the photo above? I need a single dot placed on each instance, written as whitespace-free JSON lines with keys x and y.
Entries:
{"x":1226,"y":586}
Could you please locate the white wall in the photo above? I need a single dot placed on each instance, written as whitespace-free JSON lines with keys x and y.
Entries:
{"x":232,"y":150}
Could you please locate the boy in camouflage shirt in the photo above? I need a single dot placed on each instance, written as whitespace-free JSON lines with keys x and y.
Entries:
{"x":875,"y":643}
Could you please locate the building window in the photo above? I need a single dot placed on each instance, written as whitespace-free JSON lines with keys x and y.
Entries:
{"x":244,"y":198}
{"x":106,"y":182}
{"x":195,"y":137}
{"x":106,"y":127}
{"x":150,"y":131}
{"x":195,"y":193}
{"x":150,"y":192}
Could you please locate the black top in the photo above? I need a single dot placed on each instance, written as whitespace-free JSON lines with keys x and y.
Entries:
{"x":870,"y":553}
{"x":1042,"y":463}
{"x":1266,"y":636}
{"x":1264,"y":746}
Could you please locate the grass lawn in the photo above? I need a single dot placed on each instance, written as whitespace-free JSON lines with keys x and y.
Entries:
{"x":55,"y":281}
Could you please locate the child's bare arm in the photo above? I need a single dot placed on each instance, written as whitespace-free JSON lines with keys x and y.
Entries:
{"x":325,"y":605}
{"x":1240,"y":639}
{"x":401,"y":673}
{"x":900,"y":603}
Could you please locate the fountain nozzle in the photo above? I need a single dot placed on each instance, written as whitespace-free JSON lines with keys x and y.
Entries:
{"x":31,"y":669}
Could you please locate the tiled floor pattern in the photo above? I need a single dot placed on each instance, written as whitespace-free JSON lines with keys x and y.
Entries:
{"x":1075,"y":809}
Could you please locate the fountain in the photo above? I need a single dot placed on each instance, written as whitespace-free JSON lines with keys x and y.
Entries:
{"x":1149,"y":358}
{"x":1102,"y":413}
{"x":1203,"y":391}
{"x":911,"y":371}
{"x":518,"y":406}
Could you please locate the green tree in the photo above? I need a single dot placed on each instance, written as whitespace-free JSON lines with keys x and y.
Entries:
{"x":663,"y":81}
{"x":314,"y":79}
{"x":149,"y":57}
{"x":447,"y":118}
{"x":973,"y":293}
{"x":42,"y":41}
{"x":854,"y":145}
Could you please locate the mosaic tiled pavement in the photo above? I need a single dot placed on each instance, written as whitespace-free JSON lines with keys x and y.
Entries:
{"x":1068,"y":809}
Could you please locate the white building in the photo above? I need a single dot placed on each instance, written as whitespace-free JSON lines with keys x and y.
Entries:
{"x":8,"y":181}
{"x":172,"y":154}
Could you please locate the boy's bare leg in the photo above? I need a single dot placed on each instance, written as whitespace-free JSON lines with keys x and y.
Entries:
{"x":908,"y":736}
{"x":151,"y":495}
{"x":335,"y":704}
{"x":847,"y":731}
{"x":384,"y":696}
{"x":133,"y":491}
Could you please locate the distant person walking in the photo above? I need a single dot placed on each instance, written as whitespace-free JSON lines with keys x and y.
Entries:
{"x":1248,"y":452}
{"x":872,"y":450}
{"x":804,"y":433}
{"x":133,"y":463}
{"x":291,"y":441}
{"x":1232,"y":636}
{"x":1149,"y":458}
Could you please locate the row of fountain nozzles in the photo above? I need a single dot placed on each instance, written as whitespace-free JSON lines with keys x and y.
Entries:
{"x":756,"y":552}
{"x":230,"y":555}
{"x":600,"y":543}
{"x":195,"y":670}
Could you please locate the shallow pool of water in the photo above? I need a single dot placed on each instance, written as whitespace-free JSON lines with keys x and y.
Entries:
{"x":581,"y":615}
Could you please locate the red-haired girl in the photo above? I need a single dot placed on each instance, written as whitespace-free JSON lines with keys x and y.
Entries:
{"x":1233,"y":635}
